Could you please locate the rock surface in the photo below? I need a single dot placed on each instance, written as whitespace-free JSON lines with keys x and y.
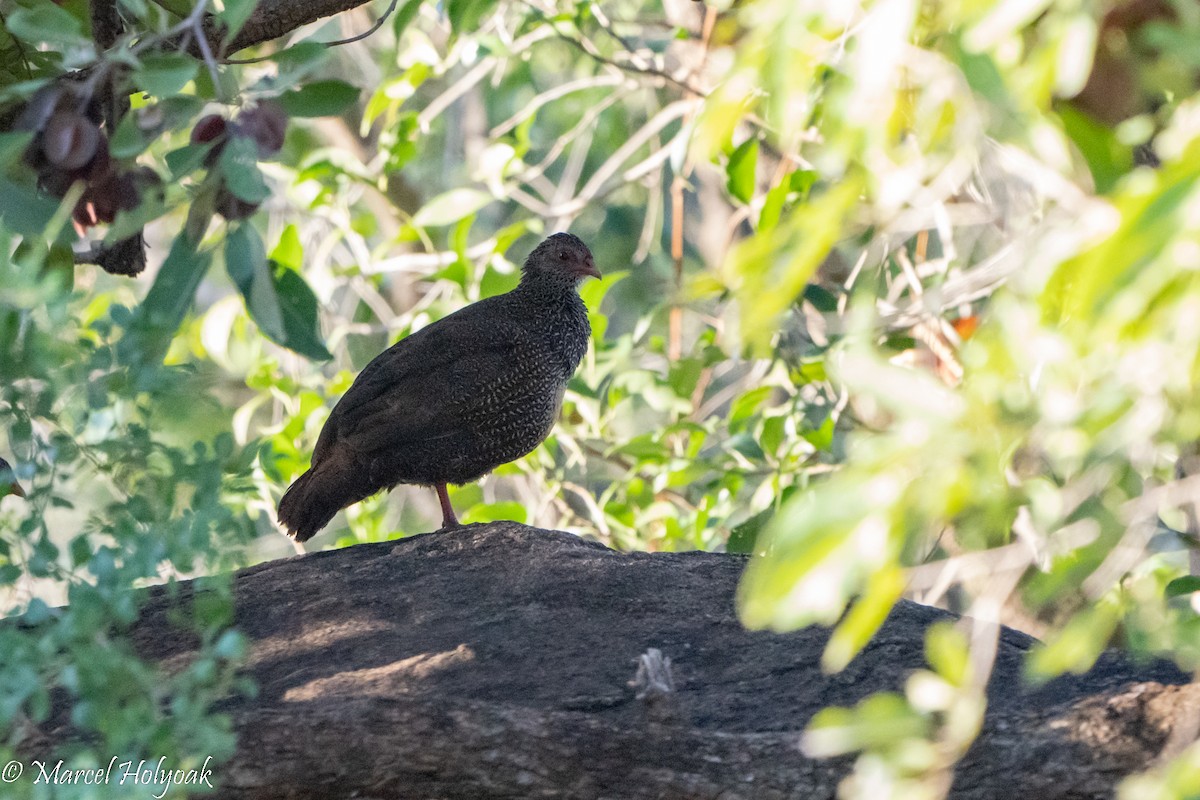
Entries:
{"x":496,"y":661}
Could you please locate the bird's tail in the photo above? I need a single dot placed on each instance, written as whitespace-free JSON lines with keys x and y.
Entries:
{"x":310,"y":502}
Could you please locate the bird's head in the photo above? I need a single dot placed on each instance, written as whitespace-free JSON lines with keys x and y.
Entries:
{"x":561,"y":255}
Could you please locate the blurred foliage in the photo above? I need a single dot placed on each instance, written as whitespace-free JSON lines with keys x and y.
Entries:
{"x":899,"y":297}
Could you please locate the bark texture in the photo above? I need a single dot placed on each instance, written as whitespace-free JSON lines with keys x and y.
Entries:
{"x":495,"y":661}
{"x":274,"y":18}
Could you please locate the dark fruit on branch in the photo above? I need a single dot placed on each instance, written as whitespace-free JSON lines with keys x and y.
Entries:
{"x":208,"y":129}
{"x":266,"y":123}
{"x":232,"y":207}
{"x":70,"y":141}
{"x":212,"y":128}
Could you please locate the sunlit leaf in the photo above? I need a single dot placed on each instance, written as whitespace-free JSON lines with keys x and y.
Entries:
{"x":451,"y":206}
{"x":769,"y":271}
{"x":741,"y":169}
{"x":867,"y":614}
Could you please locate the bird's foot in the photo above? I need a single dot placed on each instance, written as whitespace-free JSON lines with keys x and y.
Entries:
{"x":448,"y":518}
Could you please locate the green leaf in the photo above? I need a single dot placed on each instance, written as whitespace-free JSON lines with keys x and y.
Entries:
{"x":493,"y":512}
{"x":319,"y":99}
{"x":1182,"y":586}
{"x":279,"y":301}
{"x":46,"y":22}
{"x":299,"y":61}
{"x":774,"y":433}
{"x":1078,"y":644}
{"x":822,"y":299}
{"x":495,"y":282}
{"x":180,"y":8}
{"x":745,"y":405}
{"x":450,"y":207}
{"x":768,"y":271}
{"x":465,"y":15}
{"x":301,"y":324}
{"x":1107,"y":158}
{"x":740,"y":172}
{"x":134,"y":9}
{"x":744,"y":537}
{"x":239,"y":167}
{"x":165,"y":75}
{"x":234,"y":15}
{"x":883,"y":720}
{"x":129,"y":140}
{"x":289,"y":252}
{"x":947,"y":652}
{"x":24,"y":210}
{"x":592,"y":292}
{"x":772,"y":207}
{"x":13,"y":146}
{"x":851,"y":635}
{"x":246,"y":262}
{"x":187,"y":159}
{"x":159,"y":315}
{"x":404,"y":14}
{"x":201,"y":212}
{"x":820,"y":437}
{"x":1096,"y":284}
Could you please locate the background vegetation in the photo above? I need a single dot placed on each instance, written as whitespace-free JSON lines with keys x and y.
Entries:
{"x":899,"y":296}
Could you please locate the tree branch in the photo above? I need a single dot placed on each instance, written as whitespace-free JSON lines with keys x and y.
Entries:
{"x":274,"y":18}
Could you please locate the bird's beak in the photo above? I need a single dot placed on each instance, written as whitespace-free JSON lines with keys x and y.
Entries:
{"x":589,"y":269}
{"x":16,"y":489}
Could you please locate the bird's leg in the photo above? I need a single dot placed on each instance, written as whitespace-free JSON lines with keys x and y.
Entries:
{"x":448,"y":518}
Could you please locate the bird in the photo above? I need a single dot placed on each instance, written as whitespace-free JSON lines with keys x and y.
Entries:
{"x":8,"y":481}
{"x":451,"y":402}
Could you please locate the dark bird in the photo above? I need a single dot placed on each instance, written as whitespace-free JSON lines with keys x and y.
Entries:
{"x":458,"y":398}
{"x":8,"y":481}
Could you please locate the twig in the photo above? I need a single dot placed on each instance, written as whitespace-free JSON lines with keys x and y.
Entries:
{"x":569,"y":178}
{"x":586,"y":121}
{"x":675,"y":316}
{"x":1015,"y":557}
{"x":610,"y":167}
{"x":551,"y":95}
{"x":474,"y":76}
{"x":425,"y":262}
{"x":649,"y":222}
{"x":979,"y":281}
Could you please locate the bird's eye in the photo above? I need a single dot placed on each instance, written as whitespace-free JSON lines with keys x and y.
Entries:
{"x":562,"y":254}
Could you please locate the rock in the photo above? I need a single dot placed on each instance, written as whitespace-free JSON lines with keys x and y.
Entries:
{"x":501,"y":660}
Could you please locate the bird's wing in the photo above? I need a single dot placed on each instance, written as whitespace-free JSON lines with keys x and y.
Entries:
{"x":408,"y":393}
